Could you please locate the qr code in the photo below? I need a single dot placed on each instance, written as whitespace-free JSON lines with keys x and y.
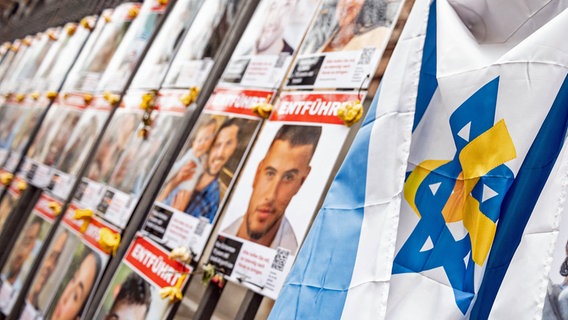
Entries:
{"x":201,"y":226}
{"x":280,"y":259}
{"x":366,"y":56}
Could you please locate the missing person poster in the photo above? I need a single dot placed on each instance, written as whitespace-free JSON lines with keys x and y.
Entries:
{"x":80,"y":261}
{"x":55,"y":130}
{"x":279,"y":190}
{"x":28,"y":115}
{"x":127,"y":54}
{"x":12,"y":117}
{"x":194,"y":59}
{"x":24,"y":253}
{"x":132,"y":169}
{"x":62,"y":174}
{"x":196,"y":187}
{"x":344,"y":44}
{"x":267,"y":46}
{"x":134,"y":292}
{"x":9,"y":201}
{"x":155,"y":64}
{"x":97,"y":54}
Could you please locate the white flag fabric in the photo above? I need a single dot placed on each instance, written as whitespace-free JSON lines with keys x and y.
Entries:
{"x":449,"y":203}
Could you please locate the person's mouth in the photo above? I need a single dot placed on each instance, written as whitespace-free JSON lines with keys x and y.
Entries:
{"x":264,"y":212}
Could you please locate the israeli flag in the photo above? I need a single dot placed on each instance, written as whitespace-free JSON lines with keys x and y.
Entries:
{"x":449,"y":202}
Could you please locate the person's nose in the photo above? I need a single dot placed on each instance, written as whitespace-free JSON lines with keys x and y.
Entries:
{"x":271,"y":190}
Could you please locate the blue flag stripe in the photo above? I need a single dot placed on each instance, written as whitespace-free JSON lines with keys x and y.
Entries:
{"x":521,"y":199}
{"x":331,"y":245}
{"x":428,"y":82}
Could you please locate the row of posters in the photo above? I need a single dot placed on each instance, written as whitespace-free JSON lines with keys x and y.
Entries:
{"x":264,"y":211}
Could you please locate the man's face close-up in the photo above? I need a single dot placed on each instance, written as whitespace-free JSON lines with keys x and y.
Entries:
{"x":278,"y":178}
{"x":222,"y":149}
{"x":25,"y":247}
{"x":48,"y":265}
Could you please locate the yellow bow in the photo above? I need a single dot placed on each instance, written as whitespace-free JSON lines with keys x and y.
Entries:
{"x":55,"y":207}
{"x":86,"y":215}
{"x":86,"y":24}
{"x":263,"y":109}
{"x":133,"y":12}
{"x":109,"y":240}
{"x":27,"y":41}
{"x":87,"y":98}
{"x":111,"y":98}
{"x":21,"y":185}
{"x":107,"y":18}
{"x":162,"y":2}
{"x":34,"y":95}
{"x":189,"y":97}
{"x":147,"y":102}
{"x":52,"y":36}
{"x":174,"y":293}
{"x":6,"y":178}
{"x":20,"y":97}
{"x":51,"y":95}
{"x":350,"y":112}
{"x":181,"y":254}
{"x":71,"y":29}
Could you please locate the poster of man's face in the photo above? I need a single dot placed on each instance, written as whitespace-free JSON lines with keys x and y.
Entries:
{"x":130,"y":296}
{"x":77,"y":284}
{"x":276,"y":27}
{"x":46,"y":280}
{"x":116,"y":137}
{"x":58,"y":136}
{"x":350,"y":25}
{"x":27,"y":245}
{"x":6,"y":206}
{"x":279,"y":188}
{"x":141,"y":154}
{"x":80,"y":141}
{"x":205,"y":169}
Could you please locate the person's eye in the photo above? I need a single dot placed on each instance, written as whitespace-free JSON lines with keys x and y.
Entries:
{"x":289,"y":177}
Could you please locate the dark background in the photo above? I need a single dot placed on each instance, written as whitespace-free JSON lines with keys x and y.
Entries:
{"x":19,"y":18}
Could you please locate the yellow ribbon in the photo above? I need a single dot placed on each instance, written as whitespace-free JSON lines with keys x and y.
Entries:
{"x":86,"y":24}
{"x":6,"y":178}
{"x":71,"y":29}
{"x":174,"y":293}
{"x":27,"y":41}
{"x":107,"y":18}
{"x":51,"y":95}
{"x":109,"y":241}
{"x":55,"y":207}
{"x":34,"y":95}
{"x":163,"y":2}
{"x":111,"y":98}
{"x":21,"y":185}
{"x":262,"y":109}
{"x":52,"y":36}
{"x":133,"y":12}
{"x":87,"y":98}
{"x":20,"y":97}
{"x":86,"y":215}
{"x":181,"y":254}
{"x":350,"y":112}
{"x":147,"y":102}
{"x":189,"y":97}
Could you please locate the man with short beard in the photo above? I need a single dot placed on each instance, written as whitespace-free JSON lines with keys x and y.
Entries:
{"x":204,"y":199}
{"x":279,"y":176}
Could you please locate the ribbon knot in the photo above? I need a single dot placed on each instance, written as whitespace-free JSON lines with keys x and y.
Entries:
{"x":86,"y":215}
{"x":174,"y":293}
{"x":109,"y":240}
{"x":189,"y":97}
{"x":350,"y":112}
{"x":55,"y":207}
{"x":6,"y":178}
